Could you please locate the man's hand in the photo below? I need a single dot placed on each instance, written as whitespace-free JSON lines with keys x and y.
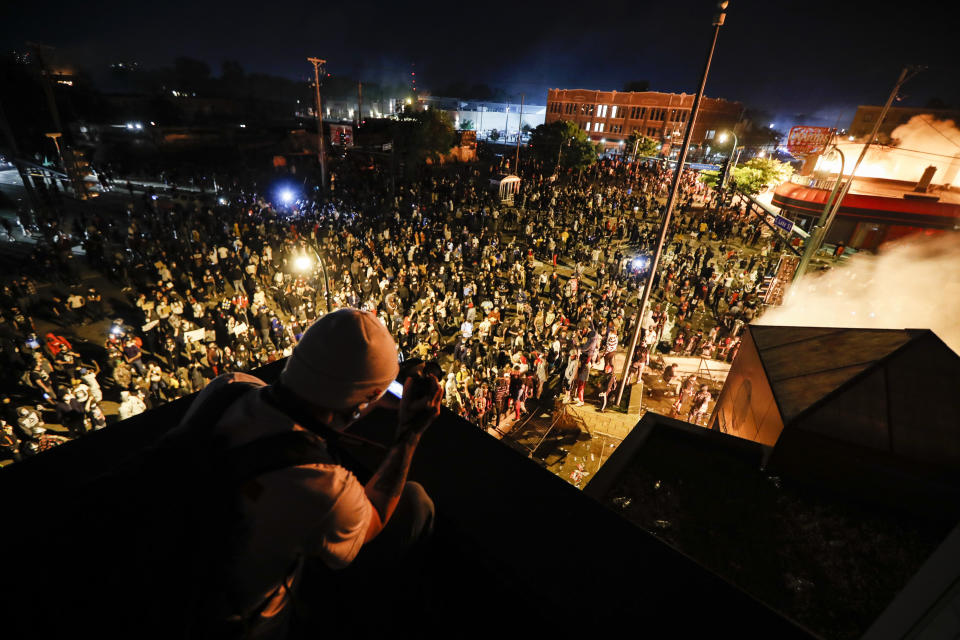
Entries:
{"x":420,"y":404}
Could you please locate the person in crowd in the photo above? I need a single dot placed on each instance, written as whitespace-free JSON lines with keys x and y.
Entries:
{"x":451,"y":273}
{"x":130,"y":405}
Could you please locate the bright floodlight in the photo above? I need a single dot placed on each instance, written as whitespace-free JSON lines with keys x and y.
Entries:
{"x":286,"y":196}
{"x":303,"y":263}
{"x":722,"y":137}
{"x":639,"y":263}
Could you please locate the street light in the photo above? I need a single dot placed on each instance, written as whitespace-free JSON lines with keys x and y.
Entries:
{"x":731,"y":160}
{"x":302,"y":263}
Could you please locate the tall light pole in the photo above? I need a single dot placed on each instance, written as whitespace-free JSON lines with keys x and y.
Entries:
{"x":316,"y":83}
{"x":816,"y":239}
{"x":718,"y":20}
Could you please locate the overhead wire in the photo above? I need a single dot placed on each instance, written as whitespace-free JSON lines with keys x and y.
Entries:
{"x":931,"y":125}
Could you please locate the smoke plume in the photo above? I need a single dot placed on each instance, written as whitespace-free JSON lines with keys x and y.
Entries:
{"x":921,"y":142}
{"x":911,"y":284}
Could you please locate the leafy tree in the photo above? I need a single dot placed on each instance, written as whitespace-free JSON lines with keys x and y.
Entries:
{"x":645,"y":146}
{"x":495,"y":135}
{"x":758,"y":174}
{"x":637,"y":85}
{"x":748,"y":180}
{"x":577,"y":152}
{"x":709,"y":177}
{"x":427,"y":134}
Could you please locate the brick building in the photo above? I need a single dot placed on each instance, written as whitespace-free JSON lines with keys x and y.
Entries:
{"x":610,"y":116}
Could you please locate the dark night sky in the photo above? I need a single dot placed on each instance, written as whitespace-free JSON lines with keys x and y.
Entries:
{"x":805,"y":62}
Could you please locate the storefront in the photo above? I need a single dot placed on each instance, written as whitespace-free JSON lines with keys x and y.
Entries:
{"x":874,"y":212}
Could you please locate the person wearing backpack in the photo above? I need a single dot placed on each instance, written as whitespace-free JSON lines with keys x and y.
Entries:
{"x":314,"y":508}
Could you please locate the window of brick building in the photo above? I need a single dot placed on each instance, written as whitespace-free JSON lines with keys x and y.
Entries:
{"x":587,"y":126}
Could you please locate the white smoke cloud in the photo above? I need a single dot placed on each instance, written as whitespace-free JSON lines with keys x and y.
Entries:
{"x":912,"y":284}
{"x":921,"y":142}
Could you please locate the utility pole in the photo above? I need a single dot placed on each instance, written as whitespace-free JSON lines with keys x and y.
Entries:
{"x":316,"y":83}
{"x":359,"y":105}
{"x":816,"y":233}
{"x":516,"y":164}
{"x":819,"y":233}
{"x":674,"y":188}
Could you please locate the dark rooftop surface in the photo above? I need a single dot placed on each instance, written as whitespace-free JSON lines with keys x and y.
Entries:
{"x":831,"y":564}
{"x":517,"y":549}
{"x":805,"y":364}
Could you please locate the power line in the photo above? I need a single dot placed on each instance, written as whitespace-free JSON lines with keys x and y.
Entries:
{"x":926,"y":153}
{"x":930,"y":124}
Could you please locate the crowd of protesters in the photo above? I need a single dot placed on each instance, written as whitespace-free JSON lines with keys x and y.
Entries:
{"x":510,"y":300}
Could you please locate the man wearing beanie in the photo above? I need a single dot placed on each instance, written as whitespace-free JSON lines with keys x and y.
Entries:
{"x":301,"y":513}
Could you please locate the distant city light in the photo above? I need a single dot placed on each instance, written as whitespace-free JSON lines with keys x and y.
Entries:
{"x":222,"y":200}
{"x":771,"y":125}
